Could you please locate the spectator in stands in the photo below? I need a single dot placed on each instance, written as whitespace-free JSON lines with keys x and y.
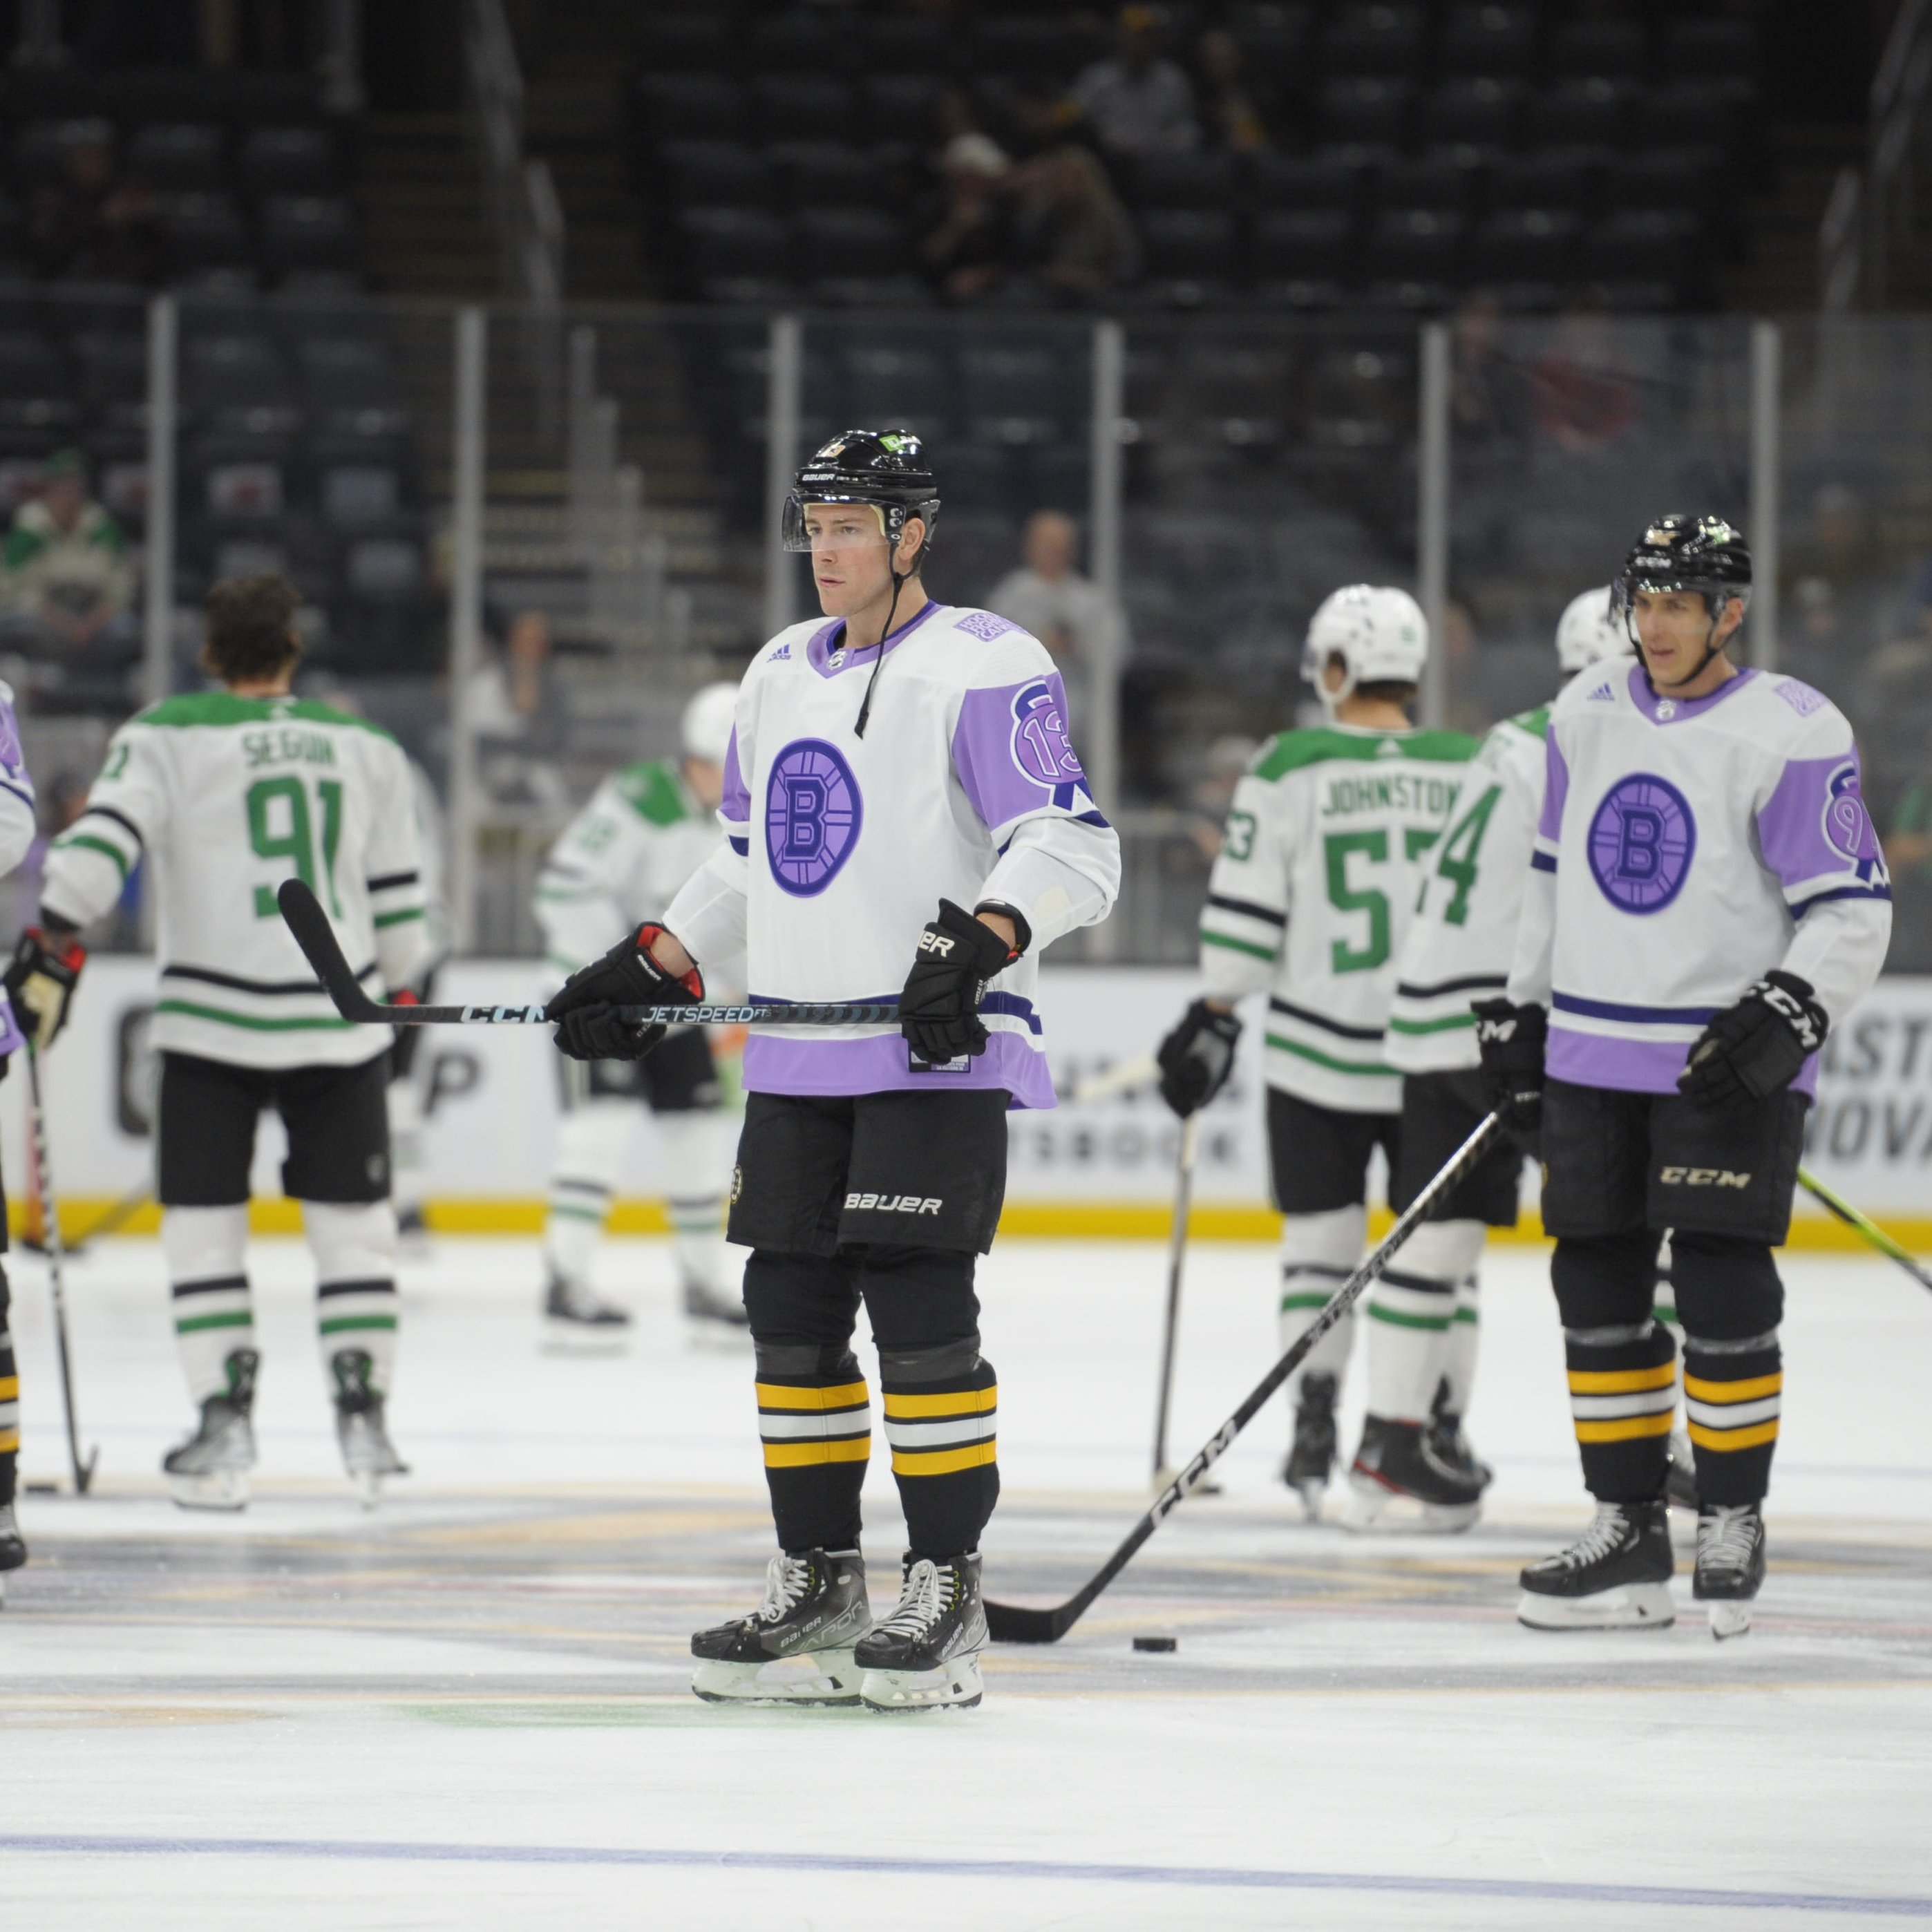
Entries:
{"x":1047,"y":595}
{"x":94,"y":223}
{"x":68,"y":583}
{"x":1072,"y":240}
{"x":517,"y":713}
{"x":1237,"y":111}
{"x":1584,"y":394}
{"x":966,"y":253}
{"x":1210,"y":795}
{"x":1138,"y":102}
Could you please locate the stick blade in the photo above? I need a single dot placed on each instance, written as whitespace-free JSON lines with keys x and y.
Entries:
{"x":1012,"y":1623}
{"x":303,"y":915}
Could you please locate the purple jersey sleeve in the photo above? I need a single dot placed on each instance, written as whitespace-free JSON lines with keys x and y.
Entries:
{"x":12,"y":764}
{"x":1014,"y":758}
{"x":734,"y":810}
{"x":1817,"y":836}
{"x":1555,"y":792}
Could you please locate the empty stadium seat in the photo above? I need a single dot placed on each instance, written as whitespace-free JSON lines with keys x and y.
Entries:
{"x":1597,"y":109}
{"x":1436,"y":180}
{"x":304,"y":231}
{"x":827,"y":173}
{"x":1374,"y":39}
{"x":837,"y":241}
{"x":701,"y":106}
{"x":178,"y":155}
{"x":36,"y":386}
{"x":1190,"y":242}
{"x":345,"y":373}
{"x":1711,"y":49}
{"x":1478,"y":107}
{"x":1295,"y":182}
{"x":1414,"y":243}
{"x":1300,"y":244}
{"x":1497,"y":40}
{"x":1613,"y":47}
{"x":1529,"y":244}
{"x":733,"y":242}
{"x":204,"y":230}
{"x":288,"y":160}
{"x":898,"y":106}
{"x":360,"y":492}
{"x":801,"y":106}
{"x":234,"y":371}
{"x":1207,"y":179}
{"x":1366,"y":108}
{"x":718,"y":174}
{"x":798,"y":38}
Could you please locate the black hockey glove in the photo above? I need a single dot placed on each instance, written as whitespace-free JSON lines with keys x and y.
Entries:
{"x":40,"y":980}
{"x":1510,"y":1039}
{"x":939,"y":1010}
{"x":1757,"y":1046}
{"x":1196,"y":1058}
{"x":588,"y":1027}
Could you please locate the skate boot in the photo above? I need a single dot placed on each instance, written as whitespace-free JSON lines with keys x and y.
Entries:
{"x":12,"y":1551}
{"x":925,"y":1655}
{"x":210,"y":1470}
{"x":1311,"y":1454}
{"x":1397,"y":1483}
{"x":413,"y":1239}
{"x":795,"y":1647}
{"x":367,"y":1453}
{"x":1680,"y":1483}
{"x":577,"y":1323}
{"x":1730,"y":1566}
{"x":719,"y":1315}
{"x":1616,"y":1576}
{"x":1450,"y":1445}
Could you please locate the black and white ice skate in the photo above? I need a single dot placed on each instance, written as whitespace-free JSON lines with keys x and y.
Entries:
{"x":1311,"y":1456}
{"x":1730,"y":1566}
{"x":795,"y":1647}
{"x":361,"y":1427}
{"x":1396,"y":1482}
{"x":1680,"y":1481}
{"x":413,"y":1239}
{"x":13,"y":1550}
{"x":210,"y":1470}
{"x":1616,"y":1576}
{"x":717,"y":1315}
{"x":1450,"y":1442}
{"x":576,"y":1322}
{"x":925,"y":1655}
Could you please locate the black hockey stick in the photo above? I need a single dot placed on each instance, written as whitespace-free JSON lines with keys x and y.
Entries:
{"x":50,"y":1205}
{"x":1177,"y":1257}
{"x":123,"y":1211}
{"x":302,"y":912}
{"x":1870,"y":1229}
{"x":1009,"y":1623}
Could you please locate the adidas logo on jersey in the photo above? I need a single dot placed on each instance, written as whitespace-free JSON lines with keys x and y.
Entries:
{"x":783,"y":651}
{"x":1602,"y":692}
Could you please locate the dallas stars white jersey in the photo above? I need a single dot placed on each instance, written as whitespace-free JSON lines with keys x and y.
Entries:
{"x":224,"y":797}
{"x":1463,"y":934}
{"x":620,"y":861}
{"x":1685,"y":848}
{"x":1311,"y":895}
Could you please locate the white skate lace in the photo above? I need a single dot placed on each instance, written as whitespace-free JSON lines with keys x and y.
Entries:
{"x":1602,"y":1536}
{"x":787,"y":1579}
{"x":1725,"y":1537}
{"x":923,"y":1601}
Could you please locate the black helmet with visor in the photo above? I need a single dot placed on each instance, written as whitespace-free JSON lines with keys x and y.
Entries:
{"x":885,"y":468}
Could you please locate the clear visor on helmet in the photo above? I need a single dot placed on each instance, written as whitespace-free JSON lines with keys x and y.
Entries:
{"x":839,"y":525}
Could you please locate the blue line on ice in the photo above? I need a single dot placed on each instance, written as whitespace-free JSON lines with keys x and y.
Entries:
{"x":1028,"y":1870}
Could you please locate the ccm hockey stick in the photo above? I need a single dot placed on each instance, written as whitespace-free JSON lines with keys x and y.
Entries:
{"x":1010,"y":1623}
{"x":1870,"y":1229}
{"x":303,"y":913}
{"x":50,"y":1206}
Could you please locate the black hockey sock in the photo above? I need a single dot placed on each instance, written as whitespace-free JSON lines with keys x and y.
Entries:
{"x":1621,"y":1363}
{"x":817,"y":1429}
{"x":10,"y":1402}
{"x":942,"y":1436}
{"x":1732,"y":1390}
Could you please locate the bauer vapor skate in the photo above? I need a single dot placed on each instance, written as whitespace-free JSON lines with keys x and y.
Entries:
{"x":1616,"y":1576}
{"x":210,"y":1470}
{"x":1730,"y":1566}
{"x":1311,"y":1454}
{"x":576,"y":1322}
{"x":925,"y":1655}
{"x":12,"y":1551}
{"x":795,"y":1647}
{"x":367,"y":1453}
{"x":1397,"y":1483}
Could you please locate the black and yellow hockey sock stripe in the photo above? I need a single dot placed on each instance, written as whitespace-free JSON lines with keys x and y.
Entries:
{"x":1733,"y":1395}
{"x":1623,"y":1401}
{"x":940,"y":1431}
{"x":1623,"y":1404}
{"x":803,"y":1425}
{"x":10,"y":1402}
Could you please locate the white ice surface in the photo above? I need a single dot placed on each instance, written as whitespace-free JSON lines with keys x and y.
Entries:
{"x":469,"y":1709}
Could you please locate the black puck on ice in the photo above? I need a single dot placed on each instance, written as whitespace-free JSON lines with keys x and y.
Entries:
{"x":1157,"y":1643}
{"x":41,"y":1488}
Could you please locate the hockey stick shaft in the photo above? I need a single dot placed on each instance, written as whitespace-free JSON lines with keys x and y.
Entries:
{"x":302,"y":913}
{"x":1870,"y":1228}
{"x":1010,"y":1623}
{"x":50,"y":1202}
{"x":1176,"y":1256}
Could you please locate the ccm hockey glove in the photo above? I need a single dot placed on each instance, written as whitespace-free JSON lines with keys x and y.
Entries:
{"x":1757,"y":1046}
{"x":1196,"y":1058}
{"x":40,"y":980}
{"x":1510,"y":1039}
{"x":939,"y":1010}
{"x":584,"y":1007}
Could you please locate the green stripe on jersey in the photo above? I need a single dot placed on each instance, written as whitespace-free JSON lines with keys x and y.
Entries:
{"x":191,"y":1010}
{"x":1377,"y":1071}
{"x":1291,"y":751}
{"x":94,"y":844}
{"x":653,"y":791}
{"x":220,"y":708}
{"x":1447,"y":1025}
{"x":401,"y":918}
{"x":1238,"y":945}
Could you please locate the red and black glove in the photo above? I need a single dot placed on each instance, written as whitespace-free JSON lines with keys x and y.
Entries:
{"x":40,"y":980}
{"x":1758,"y":1046}
{"x":585,"y":1007}
{"x":939,"y":1010}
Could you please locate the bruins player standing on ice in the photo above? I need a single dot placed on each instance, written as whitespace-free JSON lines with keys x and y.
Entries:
{"x":899,"y":752}
{"x":223,"y":796}
{"x":1309,"y":901}
{"x":647,"y":829}
{"x":1707,"y":900}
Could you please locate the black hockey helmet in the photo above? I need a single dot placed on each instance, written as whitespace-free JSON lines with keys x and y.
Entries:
{"x":887,"y":468}
{"x":1702,"y":553}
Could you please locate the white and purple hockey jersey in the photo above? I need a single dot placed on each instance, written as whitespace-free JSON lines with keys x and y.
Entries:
{"x":17,"y":827}
{"x":839,"y":848}
{"x":1686,"y":847}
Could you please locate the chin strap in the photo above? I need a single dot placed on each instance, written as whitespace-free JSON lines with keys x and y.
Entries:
{"x":878,"y":663}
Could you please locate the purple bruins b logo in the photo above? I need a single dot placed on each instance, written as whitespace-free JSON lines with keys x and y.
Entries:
{"x":812,"y":816}
{"x":1848,"y":827}
{"x":1642,"y":841}
{"x":1041,"y":747}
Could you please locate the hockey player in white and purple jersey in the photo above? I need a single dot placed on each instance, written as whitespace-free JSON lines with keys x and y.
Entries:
{"x":1707,"y":900}
{"x":896,"y":752}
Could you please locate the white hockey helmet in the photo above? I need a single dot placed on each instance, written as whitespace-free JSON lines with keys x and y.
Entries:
{"x":1589,"y":629}
{"x":708,"y":719}
{"x":1378,"y":632}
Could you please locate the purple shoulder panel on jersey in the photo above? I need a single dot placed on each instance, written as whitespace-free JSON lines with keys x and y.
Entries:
{"x":1678,"y":708}
{"x":736,"y":806}
{"x":11,"y":1038}
{"x":1011,"y":749}
{"x":1814,"y":825}
{"x":13,"y":760}
{"x":882,"y":1064}
{"x":828,"y":661}
{"x":1556,"y":789}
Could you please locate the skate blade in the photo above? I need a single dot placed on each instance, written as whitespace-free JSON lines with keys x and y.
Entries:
{"x":812,"y":1677}
{"x":954,"y":1686}
{"x":1730,"y":1617}
{"x":1628,"y":1607}
{"x":1374,"y":1509}
{"x":1310,"y":1493}
{"x":212,"y":1490}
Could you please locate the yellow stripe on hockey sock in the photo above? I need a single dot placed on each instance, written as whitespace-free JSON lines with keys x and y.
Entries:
{"x":1629,"y":1429}
{"x":941,"y":1462}
{"x":9,"y":1388}
{"x":9,"y":1439}
{"x":1722,"y":1439}
{"x":783,"y":1395}
{"x":1750,"y":1391}
{"x":803,"y":1455}
{"x":1621,"y":1381}
{"x":959,"y":1401}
